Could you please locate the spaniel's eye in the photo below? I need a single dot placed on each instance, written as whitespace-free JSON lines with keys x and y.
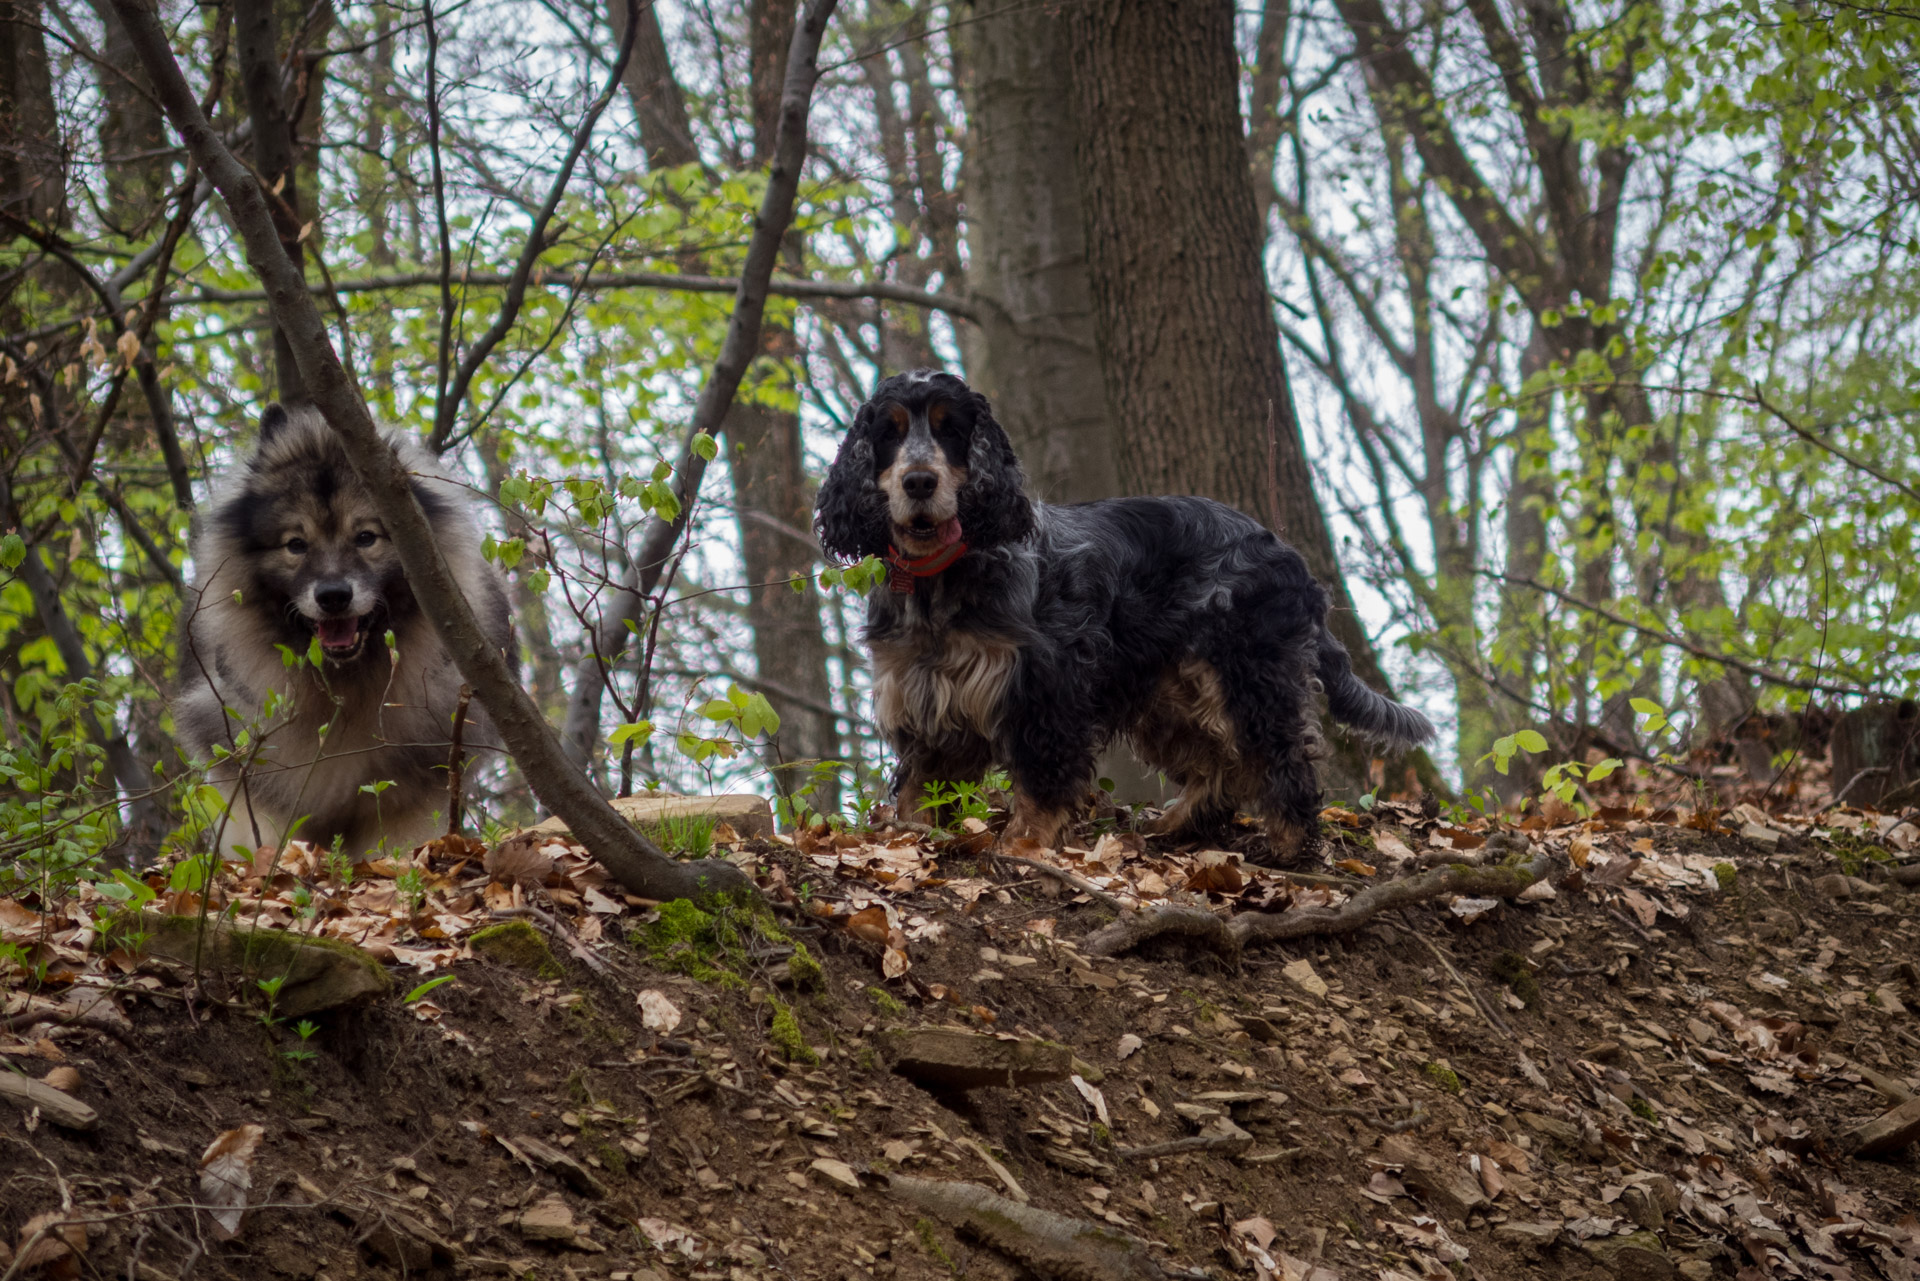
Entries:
{"x":937,"y":415}
{"x":365,"y":538}
{"x":298,"y":546}
{"x":901,"y":419}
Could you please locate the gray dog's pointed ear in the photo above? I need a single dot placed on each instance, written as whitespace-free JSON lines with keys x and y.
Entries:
{"x":272,"y":422}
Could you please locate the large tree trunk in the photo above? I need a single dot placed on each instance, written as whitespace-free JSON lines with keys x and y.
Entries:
{"x":1035,"y":356}
{"x":1184,"y":324}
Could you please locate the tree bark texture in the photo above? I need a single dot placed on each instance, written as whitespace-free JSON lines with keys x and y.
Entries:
{"x":257,"y":40}
{"x":33,"y":161}
{"x":1197,"y":385}
{"x":133,"y":133}
{"x":660,"y":108}
{"x":1036,"y":356}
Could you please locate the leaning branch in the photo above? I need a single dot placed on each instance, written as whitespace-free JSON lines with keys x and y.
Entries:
{"x":632,"y":860}
{"x":742,"y":343}
{"x":783,"y":287}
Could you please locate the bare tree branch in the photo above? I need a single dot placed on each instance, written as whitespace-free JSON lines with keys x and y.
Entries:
{"x":633,"y":860}
{"x":737,"y":351}
{"x":447,"y":409}
{"x":784,"y":287}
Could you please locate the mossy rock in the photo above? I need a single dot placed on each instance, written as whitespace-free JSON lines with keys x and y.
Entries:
{"x":519,"y":945}
{"x":316,"y":973}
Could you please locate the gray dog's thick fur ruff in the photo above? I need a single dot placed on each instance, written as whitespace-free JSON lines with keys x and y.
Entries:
{"x":391,"y":708}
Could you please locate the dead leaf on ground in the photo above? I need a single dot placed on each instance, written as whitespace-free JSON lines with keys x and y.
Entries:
{"x":226,"y":1176}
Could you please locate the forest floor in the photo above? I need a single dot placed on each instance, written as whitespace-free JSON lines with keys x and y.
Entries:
{"x":1652,"y":1065}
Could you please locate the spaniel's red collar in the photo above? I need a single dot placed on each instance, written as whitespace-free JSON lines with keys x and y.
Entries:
{"x":906,"y":569}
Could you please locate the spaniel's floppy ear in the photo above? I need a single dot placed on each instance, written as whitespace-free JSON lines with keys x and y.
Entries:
{"x":994,"y":507}
{"x":850,"y":515}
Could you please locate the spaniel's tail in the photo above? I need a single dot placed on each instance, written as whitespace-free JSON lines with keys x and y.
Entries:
{"x":1352,"y":702}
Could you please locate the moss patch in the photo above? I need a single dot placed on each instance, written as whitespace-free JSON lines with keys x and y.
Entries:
{"x":517,"y":944}
{"x":786,"y":1035}
{"x":1512,"y":969}
{"x":1727,"y":874}
{"x":711,"y":944}
{"x":1443,"y":1076}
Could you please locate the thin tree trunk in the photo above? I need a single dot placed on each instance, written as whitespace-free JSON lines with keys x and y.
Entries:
{"x":133,"y":133}
{"x":33,"y":160}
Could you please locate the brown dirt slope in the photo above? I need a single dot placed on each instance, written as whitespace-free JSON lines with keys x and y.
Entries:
{"x":1652,"y":1073}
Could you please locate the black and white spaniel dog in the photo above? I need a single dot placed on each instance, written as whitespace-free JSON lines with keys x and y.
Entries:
{"x":1019,"y":634}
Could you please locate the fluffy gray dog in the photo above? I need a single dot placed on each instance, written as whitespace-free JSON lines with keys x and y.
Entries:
{"x":290,"y":551}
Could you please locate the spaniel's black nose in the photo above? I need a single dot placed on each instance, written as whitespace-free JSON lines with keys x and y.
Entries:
{"x":920,"y":485}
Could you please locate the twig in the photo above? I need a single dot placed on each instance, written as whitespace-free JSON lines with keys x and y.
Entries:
{"x":1227,"y":1139}
{"x":456,"y":763}
{"x":1065,"y":877}
{"x":1473,"y":996}
{"x":1871,"y":771}
{"x":1681,"y":643}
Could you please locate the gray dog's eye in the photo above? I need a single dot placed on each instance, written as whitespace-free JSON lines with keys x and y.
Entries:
{"x":365,"y":538}
{"x":298,"y":546}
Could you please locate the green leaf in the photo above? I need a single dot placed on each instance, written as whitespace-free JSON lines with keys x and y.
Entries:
{"x":427,"y":987}
{"x":314,"y":652}
{"x":639,"y":731}
{"x":719,"y":709}
{"x":1646,"y":707}
{"x":13,"y":550}
{"x":1604,"y":768}
{"x":705,"y":446}
{"x":1531,"y":741}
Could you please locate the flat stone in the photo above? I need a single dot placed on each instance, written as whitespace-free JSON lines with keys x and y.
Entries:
{"x":1887,"y":1133}
{"x":1448,"y":1188}
{"x":1636,"y":1256}
{"x":747,"y":814}
{"x":954,"y":1059}
{"x":1535,"y":1236}
{"x":548,"y":1220}
{"x":318,"y":973}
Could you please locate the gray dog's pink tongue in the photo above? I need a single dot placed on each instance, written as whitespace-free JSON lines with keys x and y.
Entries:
{"x":337,"y":633}
{"x":948,"y":533}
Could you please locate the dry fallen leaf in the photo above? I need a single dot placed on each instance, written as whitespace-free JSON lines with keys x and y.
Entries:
{"x":869,"y":924}
{"x":839,"y":1171}
{"x":1128,"y":1044}
{"x":65,"y":1079}
{"x":520,"y":860}
{"x":657,"y":1012}
{"x":226,"y":1175}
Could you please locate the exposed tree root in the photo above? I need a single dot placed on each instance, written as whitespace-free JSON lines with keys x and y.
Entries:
{"x":1050,"y":1244}
{"x":1135,"y":928}
{"x":1227,"y":935}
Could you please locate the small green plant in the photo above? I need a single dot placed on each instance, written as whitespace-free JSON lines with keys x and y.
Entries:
{"x":1443,"y":1076}
{"x":304,"y":1051}
{"x":1561,"y":782}
{"x":339,"y":863}
{"x":688,"y":835}
{"x":411,"y":885}
{"x":419,"y":993}
{"x":957,"y":802}
{"x":1512,"y":969}
{"x":886,"y":1002}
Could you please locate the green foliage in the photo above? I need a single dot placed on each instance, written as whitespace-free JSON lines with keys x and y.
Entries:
{"x":784,"y":1031}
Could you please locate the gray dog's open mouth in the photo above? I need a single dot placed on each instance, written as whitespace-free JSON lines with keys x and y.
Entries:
{"x":342,"y":638}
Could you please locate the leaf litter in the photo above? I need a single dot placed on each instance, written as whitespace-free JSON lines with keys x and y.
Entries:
{"x":1651,"y":1057}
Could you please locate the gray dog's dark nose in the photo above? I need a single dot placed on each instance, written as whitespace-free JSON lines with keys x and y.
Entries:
{"x":333,"y":597}
{"x":920,"y":485}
